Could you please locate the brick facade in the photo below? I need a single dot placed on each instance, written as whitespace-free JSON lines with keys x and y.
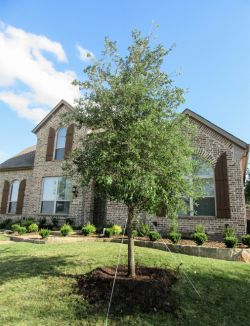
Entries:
{"x":209,"y":144}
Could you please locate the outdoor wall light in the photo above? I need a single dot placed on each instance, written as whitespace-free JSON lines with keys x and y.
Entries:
{"x":74,"y":191}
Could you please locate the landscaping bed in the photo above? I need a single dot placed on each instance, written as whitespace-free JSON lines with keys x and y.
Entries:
{"x":149,"y":291}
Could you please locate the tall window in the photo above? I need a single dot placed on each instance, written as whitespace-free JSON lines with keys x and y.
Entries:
{"x":60,"y":143}
{"x":13,"y":197}
{"x":56,"y":195}
{"x":204,"y":206}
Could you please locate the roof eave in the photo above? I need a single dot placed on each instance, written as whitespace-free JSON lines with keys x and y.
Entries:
{"x":17,"y":168}
{"x":219,"y":130}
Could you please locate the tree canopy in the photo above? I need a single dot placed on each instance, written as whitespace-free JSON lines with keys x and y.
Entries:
{"x":138,"y":148}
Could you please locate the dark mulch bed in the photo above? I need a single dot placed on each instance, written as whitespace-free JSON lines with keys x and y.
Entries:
{"x":149,"y":291}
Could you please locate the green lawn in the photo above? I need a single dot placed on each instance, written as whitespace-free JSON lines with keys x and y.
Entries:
{"x":3,"y":237}
{"x":37,"y":285}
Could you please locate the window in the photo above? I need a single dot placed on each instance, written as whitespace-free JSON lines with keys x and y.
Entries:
{"x":60,"y":143}
{"x":56,"y":195}
{"x":204,"y":206}
{"x":13,"y":197}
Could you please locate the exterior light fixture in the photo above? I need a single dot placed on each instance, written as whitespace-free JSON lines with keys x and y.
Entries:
{"x":74,"y":191}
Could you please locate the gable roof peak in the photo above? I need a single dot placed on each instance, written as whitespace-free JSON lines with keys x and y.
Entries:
{"x":219,"y":130}
{"x":53,"y":111}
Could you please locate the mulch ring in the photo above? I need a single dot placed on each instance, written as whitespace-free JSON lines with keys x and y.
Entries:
{"x":149,"y":291}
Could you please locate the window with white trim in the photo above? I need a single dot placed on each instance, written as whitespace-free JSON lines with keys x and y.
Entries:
{"x":56,"y":195}
{"x":204,"y":206}
{"x":13,"y":197}
{"x":60,"y":143}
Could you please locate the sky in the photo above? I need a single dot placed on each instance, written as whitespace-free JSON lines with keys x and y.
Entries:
{"x":44,"y":46}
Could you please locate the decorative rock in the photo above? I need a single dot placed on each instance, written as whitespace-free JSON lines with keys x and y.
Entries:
{"x":243,"y":256}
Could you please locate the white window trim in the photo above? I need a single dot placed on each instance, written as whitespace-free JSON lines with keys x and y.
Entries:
{"x":9,"y":196}
{"x":55,"y":201}
{"x":55,"y":146}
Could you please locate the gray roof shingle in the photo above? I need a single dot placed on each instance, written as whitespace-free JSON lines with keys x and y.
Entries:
{"x":24,"y":160}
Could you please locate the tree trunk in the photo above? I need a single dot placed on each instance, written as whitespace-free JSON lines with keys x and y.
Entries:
{"x":131,"y":255}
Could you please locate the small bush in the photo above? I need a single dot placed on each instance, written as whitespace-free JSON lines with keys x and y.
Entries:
{"x":44,"y":233}
{"x":154,"y":235}
{"x":88,"y":229}
{"x":229,"y":232}
{"x":22,"y":230}
{"x":108,"y":232}
{"x":134,"y":234}
{"x":55,"y":221}
{"x":6,"y":224}
{"x":27,"y":222}
{"x":42,"y":223}
{"x":143,"y":230}
{"x":69,"y":221}
{"x":175,"y":236}
{"x":245,"y":239}
{"x":230,"y":241}
{"x":66,"y":229}
{"x":199,"y":228}
{"x":33,"y":227}
{"x":117,"y":229}
{"x":199,"y":238}
{"x":15,"y":227}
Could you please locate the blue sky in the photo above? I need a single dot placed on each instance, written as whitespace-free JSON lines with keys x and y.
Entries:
{"x":39,"y":56}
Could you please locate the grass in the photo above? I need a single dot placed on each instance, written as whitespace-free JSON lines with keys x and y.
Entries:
{"x":3,"y":237}
{"x":37,"y":286}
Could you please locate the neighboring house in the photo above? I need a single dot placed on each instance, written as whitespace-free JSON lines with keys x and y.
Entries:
{"x":33,"y":184}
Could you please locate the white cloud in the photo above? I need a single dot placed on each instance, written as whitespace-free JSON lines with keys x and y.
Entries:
{"x":84,"y":55}
{"x":23,"y":66}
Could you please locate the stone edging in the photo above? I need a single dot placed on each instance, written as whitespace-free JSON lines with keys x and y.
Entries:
{"x":233,"y":254}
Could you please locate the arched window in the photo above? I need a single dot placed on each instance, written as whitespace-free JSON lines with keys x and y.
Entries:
{"x":13,"y":197}
{"x":205,"y":205}
{"x":60,"y":143}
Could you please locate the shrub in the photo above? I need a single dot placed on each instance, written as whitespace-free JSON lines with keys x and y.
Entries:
{"x":42,"y":223}
{"x":154,"y":235}
{"x":199,"y":238}
{"x":230,"y":238}
{"x":22,"y":230}
{"x":55,"y":221}
{"x":245,"y":239}
{"x":143,"y":230}
{"x":44,"y":233}
{"x":88,"y":229}
{"x":15,"y":227}
{"x":69,"y":221}
{"x":6,"y":224}
{"x":230,"y":241}
{"x":229,"y":232}
{"x":66,"y":229}
{"x":33,"y":227}
{"x":27,"y":222}
{"x":117,"y":229}
{"x":175,"y":236}
{"x":199,"y":228}
{"x":134,"y":234}
{"x":108,"y":232}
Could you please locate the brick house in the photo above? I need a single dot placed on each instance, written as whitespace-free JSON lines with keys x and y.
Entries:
{"x":32,"y":184}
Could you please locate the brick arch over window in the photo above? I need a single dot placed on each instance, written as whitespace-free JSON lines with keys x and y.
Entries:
{"x":208,"y":156}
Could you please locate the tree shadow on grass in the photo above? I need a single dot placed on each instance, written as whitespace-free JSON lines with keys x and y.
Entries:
{"x":21,"y":266}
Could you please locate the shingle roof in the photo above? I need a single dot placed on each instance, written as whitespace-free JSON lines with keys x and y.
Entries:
{"x":23,"y":160}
